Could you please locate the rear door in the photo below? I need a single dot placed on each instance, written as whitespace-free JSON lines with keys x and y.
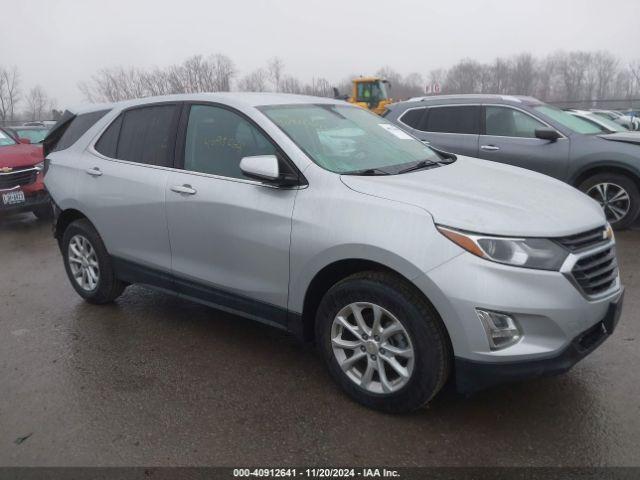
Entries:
{"x":454,"y":128}
{"x":123,"y":185}
{"x":509,"y":137}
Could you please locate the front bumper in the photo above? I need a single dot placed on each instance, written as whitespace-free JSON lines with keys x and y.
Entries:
{"x":472,"y":376}
{"x":550,"y":309}
{"x":32,"y":200}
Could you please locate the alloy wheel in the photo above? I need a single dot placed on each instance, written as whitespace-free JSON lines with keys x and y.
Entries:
{"x":614,"y":200}
{"x":372,"y":347}
{"x":83,"y":263}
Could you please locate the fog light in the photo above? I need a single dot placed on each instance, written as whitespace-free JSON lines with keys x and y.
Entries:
{"x":501,"y":329}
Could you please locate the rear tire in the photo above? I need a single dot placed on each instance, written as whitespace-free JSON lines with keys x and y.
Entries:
{"x":44,"y":212}
{"x":88,"y":264}
{"x":617,"y":194}
{"x":416,"y":360}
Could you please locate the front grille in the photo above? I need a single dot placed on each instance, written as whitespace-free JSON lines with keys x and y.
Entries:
{"x":580,"y":241}
{"x":19,"y":177}
{"x":596,"y":273}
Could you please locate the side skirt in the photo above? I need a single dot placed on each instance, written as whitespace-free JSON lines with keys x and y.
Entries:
{"x":220,"y":299}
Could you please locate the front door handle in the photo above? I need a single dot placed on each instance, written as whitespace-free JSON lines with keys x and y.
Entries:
{"x":489,"y":148}
{"x":186,"y":189}
{"x":94,"y":172}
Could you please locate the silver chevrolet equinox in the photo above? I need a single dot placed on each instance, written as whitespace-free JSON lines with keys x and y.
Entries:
{"x":406,"y":266}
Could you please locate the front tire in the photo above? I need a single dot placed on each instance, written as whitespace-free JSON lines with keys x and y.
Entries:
{"x":88,"y":265}
{"x":382,"y":342}
{"x":617,"y":194}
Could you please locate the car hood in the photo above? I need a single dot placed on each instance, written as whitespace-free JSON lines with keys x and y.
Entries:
{"x":21,"y":155}
{"x":487,"y":197}
{"x":627,"y":137}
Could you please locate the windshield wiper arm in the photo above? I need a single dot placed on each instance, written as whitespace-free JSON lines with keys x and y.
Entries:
{"x":418,"y":166}
{"x":367,"y":172}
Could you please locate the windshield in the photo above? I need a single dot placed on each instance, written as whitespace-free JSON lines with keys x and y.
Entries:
{"x":371,"y":92}
{"x":346,"y":139}
{"x":5,"y":139}
{"x":575,"y":124}
{"x":607,"y":125}
{"x":35,"y":135}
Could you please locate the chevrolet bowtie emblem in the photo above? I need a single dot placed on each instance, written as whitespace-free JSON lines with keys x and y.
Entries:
{"x":6,"y":169}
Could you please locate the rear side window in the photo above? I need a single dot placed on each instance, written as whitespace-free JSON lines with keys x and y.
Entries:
{"x":413,"y":117}
{"x":462,"y":119}
{"x":75,"y":128}
{"x":146,"y":135}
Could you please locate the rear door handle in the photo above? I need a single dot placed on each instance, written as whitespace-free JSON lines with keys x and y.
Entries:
{"x":94,"y":172}
{"x":186,"y":189}
{"x":489,"y":148}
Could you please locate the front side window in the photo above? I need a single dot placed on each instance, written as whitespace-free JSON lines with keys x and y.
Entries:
{"x":218,"y":138}
{"x":147,"y":134}
{"x":508,"y":122}
{"x":575,"y":124}
{"x":346,"y":139}
{"x":457,"y":119}
{"x":6,"y":140}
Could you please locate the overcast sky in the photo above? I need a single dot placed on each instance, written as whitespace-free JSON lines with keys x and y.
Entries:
{"x":57,"y":43}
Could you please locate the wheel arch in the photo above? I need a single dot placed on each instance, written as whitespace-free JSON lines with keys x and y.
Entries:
{"x":332,"y":274}
{"x":606,"y":167}
{"x":65,"y":218}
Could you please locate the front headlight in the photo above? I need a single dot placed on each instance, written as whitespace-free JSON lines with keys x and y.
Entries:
{"x":538,"y":253}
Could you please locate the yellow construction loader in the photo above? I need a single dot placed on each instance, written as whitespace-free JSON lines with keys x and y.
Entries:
{"x":371,"y":93}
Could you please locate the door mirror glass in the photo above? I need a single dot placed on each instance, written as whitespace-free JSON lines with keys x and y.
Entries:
{"x":261,"y":167}
{"x":547,"y":134}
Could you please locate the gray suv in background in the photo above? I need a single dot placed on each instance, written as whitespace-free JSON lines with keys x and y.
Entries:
{"x":527,"y":133}
{"x":404,"y":265}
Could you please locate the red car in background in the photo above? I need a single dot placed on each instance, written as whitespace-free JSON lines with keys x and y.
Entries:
{"x":21,"y":173}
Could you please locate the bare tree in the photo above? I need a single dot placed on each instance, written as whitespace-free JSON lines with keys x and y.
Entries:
{"x":255,"y":81}
{"x":9,"y":92}
{"x":39,"y":105}
{"x":114,"y":85}
{"x":320,"y":87}
{"x":605,"y":66}
{"x":195,"y":74}
{"x":523,"y":74}
{"x":275,"y":68}
{"x":290,"y":84}
{"x":634,"y":71}
{"x":223,"y":71}
{"x":463,"y":77}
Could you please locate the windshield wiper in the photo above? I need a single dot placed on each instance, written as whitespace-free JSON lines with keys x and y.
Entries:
{"x":367,"y":172}
{"x":418,"y":166}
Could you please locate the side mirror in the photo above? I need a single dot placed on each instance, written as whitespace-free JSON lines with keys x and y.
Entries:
{"x":25,"y":141}
{"x":261,"y":167}
{"x":547,"y":134}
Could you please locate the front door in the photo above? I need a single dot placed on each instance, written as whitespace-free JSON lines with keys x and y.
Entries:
{"x":229,"y":234}
{"x":509,"y":137}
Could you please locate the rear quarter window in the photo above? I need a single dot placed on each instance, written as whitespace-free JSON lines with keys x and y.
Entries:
{"x":413,"y":117}
{"x":76,"y":128}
